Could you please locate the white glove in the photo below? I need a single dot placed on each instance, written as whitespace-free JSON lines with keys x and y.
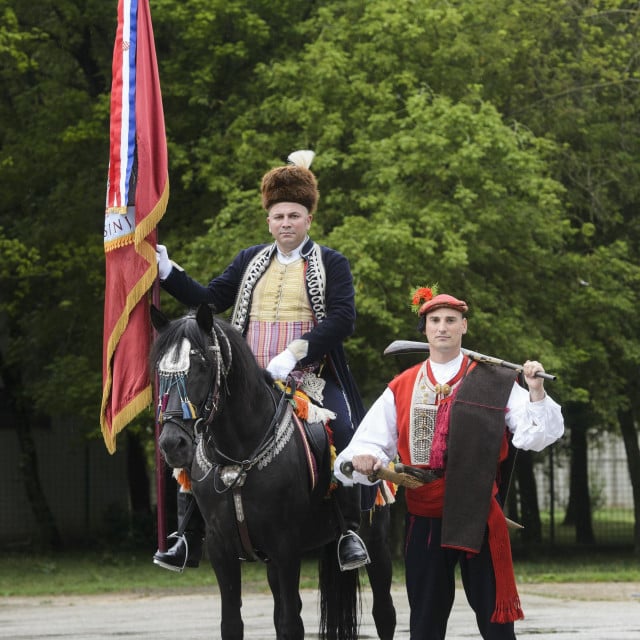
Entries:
{"x":164,"y":264}
{"x":282,"y":365}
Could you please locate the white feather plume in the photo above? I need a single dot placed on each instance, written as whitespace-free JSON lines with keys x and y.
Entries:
{"x":302,"y":158}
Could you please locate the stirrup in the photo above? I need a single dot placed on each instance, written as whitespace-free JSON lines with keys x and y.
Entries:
{"x":172,"y":567}
{"x":356,"y":564}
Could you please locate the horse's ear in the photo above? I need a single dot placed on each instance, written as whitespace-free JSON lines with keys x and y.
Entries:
{"x":204,"y":317}
{"x":158,"y":319}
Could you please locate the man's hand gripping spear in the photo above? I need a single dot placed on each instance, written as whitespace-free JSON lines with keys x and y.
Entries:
{"x":398,"y":473}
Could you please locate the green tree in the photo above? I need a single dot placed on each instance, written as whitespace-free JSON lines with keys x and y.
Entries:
{"x":52,"y":131}
{"x":579,"y":86}
{"x":491,"y":147}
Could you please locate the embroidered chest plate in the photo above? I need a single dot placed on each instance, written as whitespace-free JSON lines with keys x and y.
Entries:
{"x":422,"y":419}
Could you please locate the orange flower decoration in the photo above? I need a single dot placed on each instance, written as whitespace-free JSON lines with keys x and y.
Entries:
{"x":422,"y":295}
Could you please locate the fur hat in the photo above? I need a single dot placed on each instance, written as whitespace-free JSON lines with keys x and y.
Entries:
{"x":292,"y":183}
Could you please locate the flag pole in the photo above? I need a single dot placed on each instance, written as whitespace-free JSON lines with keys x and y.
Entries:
{"x":160,"y":475}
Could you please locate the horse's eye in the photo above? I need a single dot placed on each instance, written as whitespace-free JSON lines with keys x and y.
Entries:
{"x":196,"y":353}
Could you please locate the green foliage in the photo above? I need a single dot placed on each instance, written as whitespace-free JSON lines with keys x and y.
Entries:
{"x":490,"y":146}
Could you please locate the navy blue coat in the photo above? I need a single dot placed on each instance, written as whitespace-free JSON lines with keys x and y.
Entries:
{"x":335,"y":324}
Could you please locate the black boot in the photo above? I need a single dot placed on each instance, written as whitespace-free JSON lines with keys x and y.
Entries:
{"x":187,"y":550}
{"x":352,"y":552}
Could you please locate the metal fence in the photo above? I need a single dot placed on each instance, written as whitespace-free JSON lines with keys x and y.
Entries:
{"x":609,"y":488}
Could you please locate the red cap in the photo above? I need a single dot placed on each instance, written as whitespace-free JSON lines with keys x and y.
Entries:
{"x":443,"y":300}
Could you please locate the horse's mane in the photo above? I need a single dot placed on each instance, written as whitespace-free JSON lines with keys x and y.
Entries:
{"x":244,"y":372}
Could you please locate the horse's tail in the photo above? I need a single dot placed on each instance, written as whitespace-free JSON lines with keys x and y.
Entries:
{"x":340,"y":603}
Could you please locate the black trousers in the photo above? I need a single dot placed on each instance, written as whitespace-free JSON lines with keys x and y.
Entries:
{"x":342,"y":426}
{"x":430,"y":581}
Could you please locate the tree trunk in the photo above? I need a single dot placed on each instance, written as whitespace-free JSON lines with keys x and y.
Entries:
{"x":630,"y":438}
{"x":579,"y":507}
{"x":530,"y":512}
{"x":142,"y":525}
{"x":139,"y":490}
{"x":48,"y":536}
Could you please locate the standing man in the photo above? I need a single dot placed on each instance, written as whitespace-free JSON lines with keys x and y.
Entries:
{"x":453,"y":418}
{"x":293,"y":300}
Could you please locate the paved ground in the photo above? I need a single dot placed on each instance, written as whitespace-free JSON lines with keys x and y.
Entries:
{"x":553,"y":612}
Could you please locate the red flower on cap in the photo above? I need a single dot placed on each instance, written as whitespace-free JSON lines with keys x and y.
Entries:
{"x":422,"y":295}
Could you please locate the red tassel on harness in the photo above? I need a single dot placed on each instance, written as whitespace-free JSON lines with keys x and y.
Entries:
{"x":184,"y":480}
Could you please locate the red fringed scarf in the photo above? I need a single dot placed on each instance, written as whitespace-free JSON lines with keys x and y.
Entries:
{"x":508,"y":607}
{"x":441,"y":434}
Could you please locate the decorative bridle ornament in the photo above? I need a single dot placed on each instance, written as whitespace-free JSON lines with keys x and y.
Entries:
{"x":173,"y":370}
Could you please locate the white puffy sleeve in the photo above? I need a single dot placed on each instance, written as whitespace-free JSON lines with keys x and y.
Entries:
{"x":377,"y":435}
{"x":535,"y":425}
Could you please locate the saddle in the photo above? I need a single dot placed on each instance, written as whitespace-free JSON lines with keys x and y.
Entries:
{"x":319,"y":454}
{"x":312,"y":426}
{"x":317,"y":440}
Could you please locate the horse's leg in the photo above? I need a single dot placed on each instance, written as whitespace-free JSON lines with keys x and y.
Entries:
{"x":287,"y":603}
{"x":227,"y":569}
{"x":284,"y":580}
{"x":375,"y":533}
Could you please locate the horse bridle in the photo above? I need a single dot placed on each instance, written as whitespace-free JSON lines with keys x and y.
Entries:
{"x":176,"y":374}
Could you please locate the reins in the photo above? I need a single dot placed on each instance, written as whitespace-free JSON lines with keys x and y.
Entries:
{"x":268,"y":438}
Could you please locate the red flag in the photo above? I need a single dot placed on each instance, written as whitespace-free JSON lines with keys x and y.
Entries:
{"x":138,"y":172}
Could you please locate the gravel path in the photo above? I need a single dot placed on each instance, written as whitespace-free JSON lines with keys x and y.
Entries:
{"x":602,"y":611}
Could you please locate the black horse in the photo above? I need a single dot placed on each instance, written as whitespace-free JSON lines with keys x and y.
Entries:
{"x":255,"y":480}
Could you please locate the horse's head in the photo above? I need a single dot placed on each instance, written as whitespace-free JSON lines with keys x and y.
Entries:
{"x":192,"y":357}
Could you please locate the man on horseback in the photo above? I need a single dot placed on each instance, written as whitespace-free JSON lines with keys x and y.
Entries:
{"x":293,"y":300}
{"x":451,"y":420}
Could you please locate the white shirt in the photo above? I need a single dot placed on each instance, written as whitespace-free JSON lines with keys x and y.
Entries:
{"x":534,"y":425}
{"x":293,"y":255}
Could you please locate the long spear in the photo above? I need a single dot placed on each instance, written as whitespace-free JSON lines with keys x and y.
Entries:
{"x":413,"y":346}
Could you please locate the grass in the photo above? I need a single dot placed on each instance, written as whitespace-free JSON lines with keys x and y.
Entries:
{"x":586,"y":566}
{"x":609,"y":524}
{"x":87,"y":573}
{"x":90,"y":573}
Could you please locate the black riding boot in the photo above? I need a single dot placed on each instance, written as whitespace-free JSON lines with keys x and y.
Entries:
{"x":187,"y":550}
{"x":352,"y":552}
